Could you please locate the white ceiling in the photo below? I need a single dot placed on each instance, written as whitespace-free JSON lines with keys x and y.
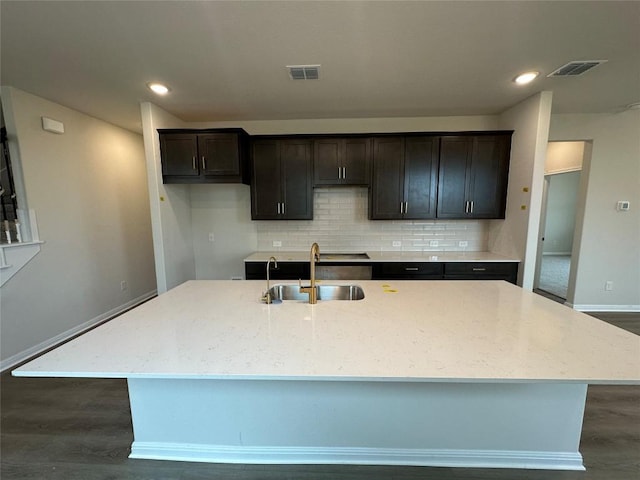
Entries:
{"x":226,"y":60}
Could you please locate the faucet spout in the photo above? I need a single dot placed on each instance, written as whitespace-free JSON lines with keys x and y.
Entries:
{"x":267,"y":295}
{"x":311,"y":290}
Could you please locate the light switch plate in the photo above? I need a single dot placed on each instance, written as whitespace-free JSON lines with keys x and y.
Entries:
{"x":277,"y":243}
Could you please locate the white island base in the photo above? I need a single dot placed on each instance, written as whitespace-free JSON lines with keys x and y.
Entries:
{"x":511,"y":425}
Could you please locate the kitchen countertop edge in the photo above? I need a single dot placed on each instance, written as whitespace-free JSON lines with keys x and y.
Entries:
{"x":385,"y":256}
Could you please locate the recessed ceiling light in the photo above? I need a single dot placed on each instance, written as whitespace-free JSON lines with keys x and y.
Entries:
{"x":158,"y":88}
{"x":526,"y":77}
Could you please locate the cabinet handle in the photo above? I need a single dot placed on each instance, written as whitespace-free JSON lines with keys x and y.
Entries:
{"x":471,"y":207}
{"x":339,"y":173}
{"x":411,"y":269}
{"x":193,"y":163}
{"x":344,"y":173}
{"x":204,"y":163}
{"x":401,"y":207}
{"x":283,"y":208}
{"x":406,"y":207}
{"x":466,"y":207}
{"x":278,"y":208}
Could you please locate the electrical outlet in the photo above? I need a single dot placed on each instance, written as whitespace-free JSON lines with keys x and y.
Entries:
{"x":123,"y":285}
{"x":433,"y":243}
{"x":463,"y":243}
{"x":396,"y":243}
{"x":608,"y":285}
{"x":212,"y":237}
{"x":277,"y":243}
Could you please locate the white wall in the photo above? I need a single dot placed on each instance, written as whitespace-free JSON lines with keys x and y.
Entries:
{"x":564,"y":157}
{"x":608,"y":243}
{"x":562,"y":198}
{"x":518,"y":233}
{"x":225,"y":211}
{"x":87,"y":188}
{"x":359,"y":125}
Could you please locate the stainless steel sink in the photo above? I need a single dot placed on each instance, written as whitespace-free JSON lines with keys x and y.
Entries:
{"x":325,"y":292}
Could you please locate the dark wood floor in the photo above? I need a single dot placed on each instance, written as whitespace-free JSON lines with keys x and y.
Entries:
{"x":80,"y":429}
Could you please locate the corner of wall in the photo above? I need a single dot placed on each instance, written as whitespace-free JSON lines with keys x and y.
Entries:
{"x":170,"y":207}
{"x":518,"y":233}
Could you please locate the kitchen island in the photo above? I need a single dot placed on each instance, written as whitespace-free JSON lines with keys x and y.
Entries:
{"x":446,"y":373}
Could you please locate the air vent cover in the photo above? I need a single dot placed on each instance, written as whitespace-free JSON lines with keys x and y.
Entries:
{"x":573,"y":69}
{"x":303,"y":72}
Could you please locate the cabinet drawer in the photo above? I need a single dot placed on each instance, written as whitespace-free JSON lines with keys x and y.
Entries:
{"x":407,"y":270}
{"x":481,"y":271}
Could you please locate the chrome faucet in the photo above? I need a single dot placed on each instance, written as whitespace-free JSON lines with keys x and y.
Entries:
{"x":311,"y":290}
{"x":266,"y":298}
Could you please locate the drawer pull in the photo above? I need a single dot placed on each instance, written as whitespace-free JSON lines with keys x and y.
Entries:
{"x":479,"y":269}
{"x":411,"y":269}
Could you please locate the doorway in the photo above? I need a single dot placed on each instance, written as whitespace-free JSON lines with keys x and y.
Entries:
{"x":555,"y":259}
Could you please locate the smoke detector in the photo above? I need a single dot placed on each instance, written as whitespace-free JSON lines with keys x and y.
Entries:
{"x":575,"y":68}
{"x":303,"y":72}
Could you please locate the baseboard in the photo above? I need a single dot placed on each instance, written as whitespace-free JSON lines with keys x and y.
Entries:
{"x":551,"y":254}
{"x":71,"y":333}
{"x":605,"y":308}
{"x":357,"y":456}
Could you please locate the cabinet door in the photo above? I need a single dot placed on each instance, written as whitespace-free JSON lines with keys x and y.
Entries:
{"x":420,"y":177}
{"x":179,"y":153}
{"x":356,"y":164}
{"x":341,"y":161}
{"x":265,"y":180}
{"x":455,"y":157}
{"x":296,"y":177}
{"x":327,"y":161}
{"x":387,"y":182}
{"x":488,"y":176}
{"x":219,"y":154}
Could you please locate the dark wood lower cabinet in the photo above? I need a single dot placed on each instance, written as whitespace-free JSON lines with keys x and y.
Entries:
{"x":284,"y":271}
{"x":481,"y":271}
{"x":407,"y":271}
{"x":398,"y":271}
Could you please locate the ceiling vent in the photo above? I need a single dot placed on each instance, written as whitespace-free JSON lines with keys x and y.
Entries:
{"x":573,"y":69}
{"x":303,"y":72}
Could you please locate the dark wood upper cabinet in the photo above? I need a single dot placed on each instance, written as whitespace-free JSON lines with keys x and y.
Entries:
{"x":204,"y":156}
{"x":341,"y":161}
{"x":473,"y":176}
{"x":179,"y":154}
{"x":404,"y":180}
{"x":281,"y":179}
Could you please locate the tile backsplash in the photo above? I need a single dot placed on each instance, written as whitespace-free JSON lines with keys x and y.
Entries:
{"x":340,"y":224}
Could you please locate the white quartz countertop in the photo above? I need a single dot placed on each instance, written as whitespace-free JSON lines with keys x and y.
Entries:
{"x":477,"y":331}
{"x":386,"y":257}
